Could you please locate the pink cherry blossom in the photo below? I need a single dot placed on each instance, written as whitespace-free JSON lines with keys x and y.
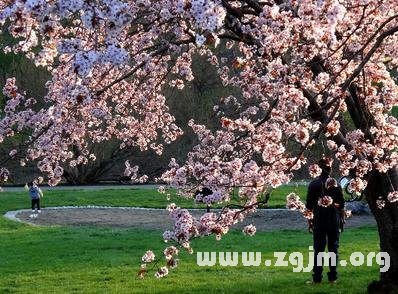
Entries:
{"x":249,"y":230}
{"x":308,"y":214}
{"x":149,"y":256}
{"x":380,"y":203}
{"x":314,"y":170}
{"x":393,"y":196}
{"x":170,"y":251}
{"x":162,"y":272}
{"x":293,"y":202}
{"x":325,"y":201}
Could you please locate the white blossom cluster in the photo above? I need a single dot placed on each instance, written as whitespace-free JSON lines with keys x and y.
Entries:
{"x":215,"y":197}
{"x":149,"y":256}
{"x":208,"y":14}
{"x":84,"y":61}
{"x":72,"y":45}
{"x":69,"y":6}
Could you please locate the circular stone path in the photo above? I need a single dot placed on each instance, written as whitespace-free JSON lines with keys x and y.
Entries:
{"x":147,"y":218}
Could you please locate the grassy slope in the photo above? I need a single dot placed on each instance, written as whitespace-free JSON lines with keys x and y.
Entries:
{"x":103,"y":260}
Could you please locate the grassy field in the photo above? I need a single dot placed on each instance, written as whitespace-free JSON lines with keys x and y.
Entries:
{"x":104,"y":260}
{"x":128,"y":197}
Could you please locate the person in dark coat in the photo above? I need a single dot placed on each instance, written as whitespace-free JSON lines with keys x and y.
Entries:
{"x":203,"y":193}
{"x":325,"y":199}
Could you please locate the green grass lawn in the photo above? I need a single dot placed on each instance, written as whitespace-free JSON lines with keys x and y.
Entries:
{"x":104,"y":260}
{"x":127,"y":197}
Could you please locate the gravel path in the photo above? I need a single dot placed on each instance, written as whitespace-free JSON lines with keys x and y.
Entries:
{"x":264,"y":220}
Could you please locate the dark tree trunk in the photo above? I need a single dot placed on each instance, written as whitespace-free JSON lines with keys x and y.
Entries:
{"x":379,"y":185}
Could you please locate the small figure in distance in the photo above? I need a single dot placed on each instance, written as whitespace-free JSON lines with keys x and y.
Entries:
{"x":200,"y":194}
{"x":35,"y":194}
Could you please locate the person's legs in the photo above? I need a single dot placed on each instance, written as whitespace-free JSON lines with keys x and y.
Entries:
{"x":35,"y":204}
{"x":319,"y":246}
{"x":333,"y":246}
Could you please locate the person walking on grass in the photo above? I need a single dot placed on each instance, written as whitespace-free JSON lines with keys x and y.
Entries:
{"x":325,"y":199}
{"x":35,"y":194}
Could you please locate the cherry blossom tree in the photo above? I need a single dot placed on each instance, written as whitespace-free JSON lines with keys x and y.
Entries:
{"x":306,"y":70}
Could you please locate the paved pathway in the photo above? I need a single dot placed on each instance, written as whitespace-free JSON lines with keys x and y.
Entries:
{"x":150,"y":218}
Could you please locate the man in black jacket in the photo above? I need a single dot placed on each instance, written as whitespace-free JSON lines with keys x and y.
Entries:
{"x":325,"y":199}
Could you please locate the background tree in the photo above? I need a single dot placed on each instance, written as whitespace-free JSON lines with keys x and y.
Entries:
{"x":195,"y":101}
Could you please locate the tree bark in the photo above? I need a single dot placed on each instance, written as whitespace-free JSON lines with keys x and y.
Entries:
{"x":379,"y":185}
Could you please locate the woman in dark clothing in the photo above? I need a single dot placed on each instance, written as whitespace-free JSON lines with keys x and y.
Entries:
{"x":325,"y":199}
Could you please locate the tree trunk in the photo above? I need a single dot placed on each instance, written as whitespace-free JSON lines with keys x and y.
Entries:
{"x":379,"y":185}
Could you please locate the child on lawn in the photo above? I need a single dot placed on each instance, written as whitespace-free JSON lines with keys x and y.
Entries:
{"x":35,"y":194}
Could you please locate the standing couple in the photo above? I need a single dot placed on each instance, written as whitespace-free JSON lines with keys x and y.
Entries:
{"x":325,"y":200}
